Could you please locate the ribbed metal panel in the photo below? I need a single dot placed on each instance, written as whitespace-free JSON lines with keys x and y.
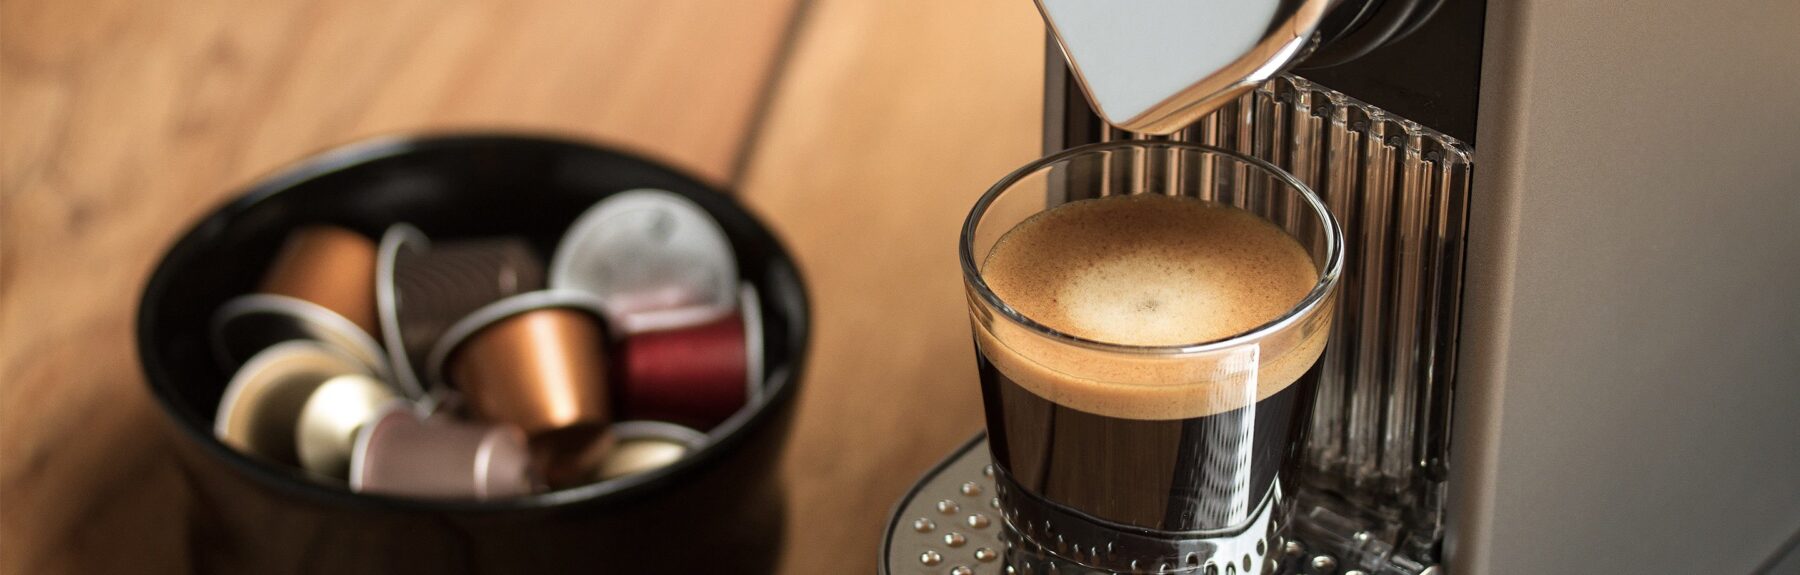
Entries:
{"x":1380,"y":431}
{"x":1379,"y":435}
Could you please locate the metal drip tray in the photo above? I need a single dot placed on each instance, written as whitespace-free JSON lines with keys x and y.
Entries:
{"x":949,"y":523}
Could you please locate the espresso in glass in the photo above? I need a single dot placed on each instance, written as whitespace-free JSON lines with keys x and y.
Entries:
{"x":1147,"y":359}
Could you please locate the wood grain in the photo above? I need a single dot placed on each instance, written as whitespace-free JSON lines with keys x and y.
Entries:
{"x":123,"y":121}
{"x":892,"y":118}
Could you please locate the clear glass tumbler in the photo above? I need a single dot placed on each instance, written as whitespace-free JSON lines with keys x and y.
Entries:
{"x":1158,"y":459}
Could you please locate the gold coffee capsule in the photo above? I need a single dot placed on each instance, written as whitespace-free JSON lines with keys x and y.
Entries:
{"x":341,"y":406}
{"x":641,"y":446}
{"x":262,"y":405}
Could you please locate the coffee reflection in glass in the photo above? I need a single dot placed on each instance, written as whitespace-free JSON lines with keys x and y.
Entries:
{"x":1149,"y":319}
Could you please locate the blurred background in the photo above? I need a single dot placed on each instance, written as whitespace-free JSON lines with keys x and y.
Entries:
{"x":844,"y":124}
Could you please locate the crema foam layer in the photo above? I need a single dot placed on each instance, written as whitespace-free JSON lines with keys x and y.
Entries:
{"x":1151,"y":270}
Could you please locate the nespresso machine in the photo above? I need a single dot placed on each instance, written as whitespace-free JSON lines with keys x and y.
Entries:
{"x":1567,"y":337}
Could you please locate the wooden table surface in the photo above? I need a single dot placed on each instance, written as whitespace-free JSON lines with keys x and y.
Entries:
{"x":861,"y":131}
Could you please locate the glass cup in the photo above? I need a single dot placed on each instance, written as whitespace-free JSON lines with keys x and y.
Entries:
{"x":1132,"y":458}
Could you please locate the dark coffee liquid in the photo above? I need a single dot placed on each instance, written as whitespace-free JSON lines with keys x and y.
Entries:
{"x":1166,"y":441}
{"x":1169,"y":475}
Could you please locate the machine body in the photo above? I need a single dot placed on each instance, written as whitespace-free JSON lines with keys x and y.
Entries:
{"x":1573,"y":332}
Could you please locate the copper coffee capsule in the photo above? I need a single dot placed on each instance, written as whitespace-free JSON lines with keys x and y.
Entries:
{"x":330,"y":266}
{"x":696,"y":376}
{"x":401,"y":454}
{"x":325,"y":436}
{"x":655,"y":259}
{"x":422,"y":288}
{"x":537,"y":361}
{"x":262,"y":405}
{"x":642,"y":446}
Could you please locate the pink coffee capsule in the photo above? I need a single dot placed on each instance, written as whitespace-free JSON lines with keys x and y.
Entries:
{"x":439,"y":458}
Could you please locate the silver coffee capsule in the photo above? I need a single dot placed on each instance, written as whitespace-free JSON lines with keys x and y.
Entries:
{"x":249,"y":324}
{"x":262,"y":405}
{"x":422,"y":288}
{"x":657,"y":259}
{"x":336,"y":411}
{"x":642,"y":446}
{"x":439,"y":458}
{"x":399,"y":241}
{"x":750,"y":309}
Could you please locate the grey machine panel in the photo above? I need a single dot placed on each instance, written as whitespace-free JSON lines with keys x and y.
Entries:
{"x":1630,"y":384}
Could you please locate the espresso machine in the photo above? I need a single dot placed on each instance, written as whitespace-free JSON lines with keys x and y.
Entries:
{"x":1567,"y":339}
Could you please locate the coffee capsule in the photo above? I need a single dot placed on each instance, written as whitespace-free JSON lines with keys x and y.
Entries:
{"x":248,"y":324}
{"x":326,"y":434}
{"x":641,"y":446}
{"x":422,"y":288}
{"x":330,"y":266}
{"x":656,"y":259}
{"x":440,"y":458}
{"x":261,"y":409}
{"x":537,"y":361}
{"x":750,"y":308}
{"x":696,"y":376}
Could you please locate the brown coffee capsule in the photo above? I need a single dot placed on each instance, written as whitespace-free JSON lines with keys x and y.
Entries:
{"x":325,"y":436}
{"x":261,"y":409}
{"x":401,"y":454}
{"x":641,"y":446}
{"x":697,"y":376}
{"x":422,"y":288}
{"x":537,"y":361}
{"x":248,"y":324}
{"x":656,"y":260}
{"x":330,"y":266}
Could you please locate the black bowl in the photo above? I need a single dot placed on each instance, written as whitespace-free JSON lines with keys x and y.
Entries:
{"x":720,"y":505}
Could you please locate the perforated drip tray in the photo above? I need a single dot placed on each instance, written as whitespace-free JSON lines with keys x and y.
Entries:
{"x":950,"y":523}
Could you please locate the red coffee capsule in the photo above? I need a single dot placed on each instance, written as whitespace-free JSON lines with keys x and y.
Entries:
{"x":696,"y":376}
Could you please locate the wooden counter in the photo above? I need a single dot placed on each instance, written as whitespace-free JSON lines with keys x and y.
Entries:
{"x":860,"y":130}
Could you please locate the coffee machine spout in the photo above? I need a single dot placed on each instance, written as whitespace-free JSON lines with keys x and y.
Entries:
{"x":1155,"y":66}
